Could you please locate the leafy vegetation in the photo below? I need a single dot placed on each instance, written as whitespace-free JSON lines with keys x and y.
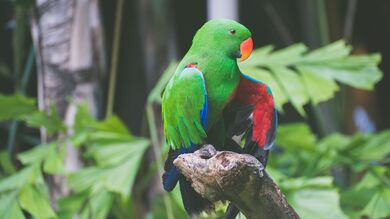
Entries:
{"x":309,"y":171}
{"x":111,"y":154}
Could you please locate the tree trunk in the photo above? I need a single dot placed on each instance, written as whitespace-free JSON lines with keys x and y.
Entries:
{"x":67,"y":37}
{"x":239,"y":178}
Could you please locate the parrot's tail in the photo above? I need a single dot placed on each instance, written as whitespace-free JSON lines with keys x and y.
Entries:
{"x":192,"y":201}
{"x":170,"y":179}
{"x":171,"y":174}
{"x":231,"y":212}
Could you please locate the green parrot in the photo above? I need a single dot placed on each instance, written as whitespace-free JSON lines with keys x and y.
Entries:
{"x":208,"y":100}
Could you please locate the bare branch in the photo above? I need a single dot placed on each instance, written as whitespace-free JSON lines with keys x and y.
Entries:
{"x":239,"y":178}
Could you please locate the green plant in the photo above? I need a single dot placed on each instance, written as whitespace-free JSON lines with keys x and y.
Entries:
{"x":307,"y":172}
{"x":112,"y":156}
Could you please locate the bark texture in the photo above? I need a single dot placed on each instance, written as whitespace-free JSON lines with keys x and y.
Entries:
{"x":68,"y":44}
{"x":239,"y":178}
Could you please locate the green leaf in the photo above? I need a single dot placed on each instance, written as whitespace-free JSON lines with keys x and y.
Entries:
{"x":319,"y":87}
{"x":300,"y":183}
{"x":14,"y":107}
{"x":35,"y":203}
{"x":362,"y":77}
{"x":83,"y":120}
{"x":51,"y":154}
{"x":354,"y":200}
{"x":118,"y":165}
{"x":121,"y":178}
{"x":119,"y":152}
{"x":70,"y":205}
{"x":378,"y":207}
{"x":87,"y":178}
{"x":83,"y":205}
{"x":24,"y":176}
{"x":6,"y":163}
{"x":54,"y":161}
{"x":100,"y":204}
{"x":333,"y":141}
{"x":85,"y":213}
{"x":284,"y":57}
{"x":293,"y":87}
{"x":369,"y":181}
{"x":295,"y":136}
{"x":359,"y":195}
{"x":50,"y":120}
{"x":9,"y":207}
{"x":20,"y":107}
{"x":112,"y":124}
{"x":317,"y":203}
{"x":79,"y":138}
{"x":37,"y":154}
{"x":375,"y":148}
{"x":334,"y":51}
{"x":117,"y":178}
{"x":107,"y":137}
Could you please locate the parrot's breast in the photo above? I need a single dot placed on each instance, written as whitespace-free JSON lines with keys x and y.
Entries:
{"x":221,"y":82}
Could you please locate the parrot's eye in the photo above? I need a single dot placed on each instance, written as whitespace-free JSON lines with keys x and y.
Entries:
{"x":232,"y":31}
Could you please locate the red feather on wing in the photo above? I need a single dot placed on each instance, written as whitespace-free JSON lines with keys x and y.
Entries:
{"x":257,"y":95}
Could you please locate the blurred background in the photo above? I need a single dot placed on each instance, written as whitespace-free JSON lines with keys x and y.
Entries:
{"x":80,"y":94}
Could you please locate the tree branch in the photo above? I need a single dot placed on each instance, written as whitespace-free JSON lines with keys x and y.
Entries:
{"x":239,"y":178}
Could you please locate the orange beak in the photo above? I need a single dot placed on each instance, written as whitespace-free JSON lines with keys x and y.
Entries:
{"x":246,"y":48}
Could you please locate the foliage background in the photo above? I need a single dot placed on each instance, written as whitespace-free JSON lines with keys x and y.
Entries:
{"x":332,"y":152}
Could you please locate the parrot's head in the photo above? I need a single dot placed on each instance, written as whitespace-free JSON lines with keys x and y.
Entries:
{"x":227,"y":36}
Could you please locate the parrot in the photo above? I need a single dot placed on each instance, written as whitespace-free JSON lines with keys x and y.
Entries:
{"x":209,"y":101}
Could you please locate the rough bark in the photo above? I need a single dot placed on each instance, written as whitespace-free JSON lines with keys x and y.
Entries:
{"x":239,"y":178}
{"x":68,"y":43}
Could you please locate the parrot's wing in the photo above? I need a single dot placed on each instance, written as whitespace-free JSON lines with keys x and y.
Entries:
{"x":252,"y":116}
{"x":185,"y":109}
{"x":185,"y":114}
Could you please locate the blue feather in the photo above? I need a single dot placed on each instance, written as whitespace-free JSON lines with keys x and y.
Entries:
{"x":172,"y":175}
{"x":252,"y":79}
{"x":257,"y":81}
{"x":204,"y":112}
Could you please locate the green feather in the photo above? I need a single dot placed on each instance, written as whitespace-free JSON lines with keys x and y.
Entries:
{"x":183,"y":100}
